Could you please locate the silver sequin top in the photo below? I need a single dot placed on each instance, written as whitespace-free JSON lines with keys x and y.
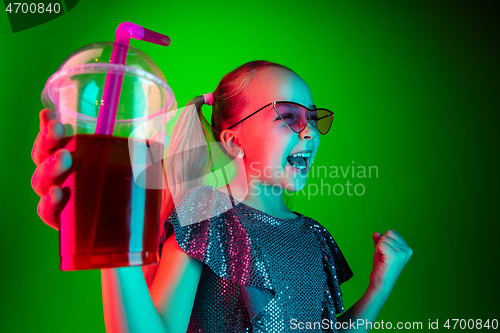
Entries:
{"x":261,"y":273}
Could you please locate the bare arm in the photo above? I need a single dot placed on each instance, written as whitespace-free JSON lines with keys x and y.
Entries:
{"x":175,"y":285}
{"x":127,"y":304}
{"x":366,"y":309}
{"x":130,"y":307}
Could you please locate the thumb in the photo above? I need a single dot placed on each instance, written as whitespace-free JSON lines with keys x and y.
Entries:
{"x":376,"y":236}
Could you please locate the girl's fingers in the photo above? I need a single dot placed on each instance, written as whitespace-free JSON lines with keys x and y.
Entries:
{"x":392,"y":235}
{"x":391,"y":241}
{"x":49,"y":172}
{"x":386,"y":251}
{"x":398,"y":237}
{"x":46,"y":115}
{"x":395,"y":240}
{"x":48,"y":140}
{"x":402,"y":246}
{"x":49,"y":207}
{"x":376,"y":236}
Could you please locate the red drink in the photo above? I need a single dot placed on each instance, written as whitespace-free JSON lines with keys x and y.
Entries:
{"x":109,"y":221}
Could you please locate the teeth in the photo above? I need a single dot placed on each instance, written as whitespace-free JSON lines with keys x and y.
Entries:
{"x":302,"y":155}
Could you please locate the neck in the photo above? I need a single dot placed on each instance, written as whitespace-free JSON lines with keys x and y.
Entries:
{"x":267,"y":198}
{"x":257,"y":195}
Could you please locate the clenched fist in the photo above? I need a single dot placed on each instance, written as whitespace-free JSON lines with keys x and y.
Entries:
{"x":391,"y":255}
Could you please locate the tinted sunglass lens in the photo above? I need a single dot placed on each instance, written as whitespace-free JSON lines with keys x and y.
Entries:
{"x":324,"y":120}
{"x":293,"y":115}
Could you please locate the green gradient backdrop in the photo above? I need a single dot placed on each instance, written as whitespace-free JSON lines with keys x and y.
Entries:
{"x":414,"y":87}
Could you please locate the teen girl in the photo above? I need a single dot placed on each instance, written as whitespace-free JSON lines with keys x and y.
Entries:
{"x":235,"y":259}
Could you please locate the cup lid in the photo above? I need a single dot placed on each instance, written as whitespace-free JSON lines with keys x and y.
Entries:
{"x":95,"y":59}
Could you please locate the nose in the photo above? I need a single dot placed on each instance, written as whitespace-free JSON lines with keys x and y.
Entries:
{"x":310,"y":132}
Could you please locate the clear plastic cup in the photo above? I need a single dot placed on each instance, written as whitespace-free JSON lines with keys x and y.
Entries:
{"x":112,"y":217}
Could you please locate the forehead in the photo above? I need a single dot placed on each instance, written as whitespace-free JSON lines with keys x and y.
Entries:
{"x":279,"y":84}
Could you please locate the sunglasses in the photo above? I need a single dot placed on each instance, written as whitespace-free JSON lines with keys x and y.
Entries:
{"x":297,"y":116}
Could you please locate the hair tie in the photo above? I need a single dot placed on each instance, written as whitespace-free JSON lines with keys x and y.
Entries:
{"x":208,"y":98}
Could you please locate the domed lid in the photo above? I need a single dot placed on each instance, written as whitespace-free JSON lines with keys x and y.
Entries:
{"x":94,"y":59}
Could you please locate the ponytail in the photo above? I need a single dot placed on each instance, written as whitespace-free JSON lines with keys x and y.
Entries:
{"x":188,"y":159}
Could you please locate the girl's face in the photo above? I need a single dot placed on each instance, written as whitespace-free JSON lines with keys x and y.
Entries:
{"x":266,"y":140}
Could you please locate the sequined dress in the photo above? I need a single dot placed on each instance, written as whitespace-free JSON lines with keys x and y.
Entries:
{"x":261,"y":273}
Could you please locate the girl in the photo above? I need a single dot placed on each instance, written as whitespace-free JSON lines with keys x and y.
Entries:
{"x":235,"y":259}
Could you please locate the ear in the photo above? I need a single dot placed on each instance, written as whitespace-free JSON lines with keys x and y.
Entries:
{"x":230,"y":141}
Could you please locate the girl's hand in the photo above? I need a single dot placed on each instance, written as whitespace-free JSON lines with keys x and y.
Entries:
{"x":52,"y":166}
{"x":391,"y":255}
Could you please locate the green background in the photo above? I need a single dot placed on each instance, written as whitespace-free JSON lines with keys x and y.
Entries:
{"x":414,"y":87}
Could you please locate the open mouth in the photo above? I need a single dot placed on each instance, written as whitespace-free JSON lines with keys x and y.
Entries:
{"x":299,"y":161}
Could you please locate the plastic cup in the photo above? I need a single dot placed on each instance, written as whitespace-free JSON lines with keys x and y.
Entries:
{"x":112,"y":216}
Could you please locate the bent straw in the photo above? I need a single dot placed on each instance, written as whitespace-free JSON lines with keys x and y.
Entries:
{"x":112,"y":87}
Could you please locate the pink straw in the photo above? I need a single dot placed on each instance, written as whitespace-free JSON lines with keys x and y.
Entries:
{"x":112,"y":87}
